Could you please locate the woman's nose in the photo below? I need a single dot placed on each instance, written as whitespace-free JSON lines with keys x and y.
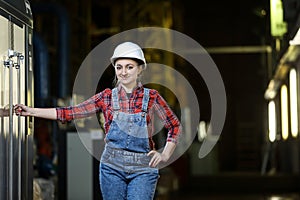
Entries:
{"x":124,"y":70}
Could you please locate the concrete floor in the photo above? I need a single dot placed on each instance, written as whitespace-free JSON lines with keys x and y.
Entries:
{"x":238,"y":187}
{"x":237,"y":197}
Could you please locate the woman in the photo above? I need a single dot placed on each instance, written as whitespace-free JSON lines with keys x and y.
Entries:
{"x":129,"y":163}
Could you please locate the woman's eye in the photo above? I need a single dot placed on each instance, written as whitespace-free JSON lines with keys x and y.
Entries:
{"x":130,"y":67}
{"x":118,"y":67}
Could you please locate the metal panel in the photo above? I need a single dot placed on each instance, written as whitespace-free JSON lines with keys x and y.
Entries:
{"x":19,"y":12}
{"x":18,"y":97}
{"x":28,"y":153}
{"x":16,"y":135}
{"x":75,"y":149}
{"x":3,"y":106}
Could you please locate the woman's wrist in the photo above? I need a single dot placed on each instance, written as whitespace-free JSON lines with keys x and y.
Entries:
{"x":165,"y":156}
{"x":168,"y":151}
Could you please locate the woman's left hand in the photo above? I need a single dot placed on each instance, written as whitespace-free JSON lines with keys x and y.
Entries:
{"x":156,"y":158}
{"x":161,"y":157}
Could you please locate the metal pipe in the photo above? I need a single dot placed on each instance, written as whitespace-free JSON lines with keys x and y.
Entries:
{"x":231,"y":50}
{"x":20,"y":138}
{"x":41,"y":71}
{"x":11,"y":125}
{"x":18,"y":67}
{"x":63,"y":41}
{"x":5,"y":131}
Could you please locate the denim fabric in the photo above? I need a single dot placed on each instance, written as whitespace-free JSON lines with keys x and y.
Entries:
{"x":129,"y":132}
{"x":121,"y":185}
{"x":124,"y":165}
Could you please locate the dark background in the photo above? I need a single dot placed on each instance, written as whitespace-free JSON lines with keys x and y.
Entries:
{"x":236,"y":163}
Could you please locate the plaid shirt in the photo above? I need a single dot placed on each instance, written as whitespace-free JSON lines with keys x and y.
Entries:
{"x":102,"y":102}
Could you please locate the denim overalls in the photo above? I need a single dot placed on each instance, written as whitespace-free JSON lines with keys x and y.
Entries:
{"x":124,"y":165}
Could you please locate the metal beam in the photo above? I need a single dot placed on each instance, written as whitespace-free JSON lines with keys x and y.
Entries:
{"x":232,"y":50}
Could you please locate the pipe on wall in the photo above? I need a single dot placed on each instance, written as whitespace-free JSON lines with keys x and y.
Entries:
{"x":63,"y":41}
{"x":41,"y":59}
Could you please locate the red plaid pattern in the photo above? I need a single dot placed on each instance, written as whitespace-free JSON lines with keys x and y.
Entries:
{"x":102,"y":102}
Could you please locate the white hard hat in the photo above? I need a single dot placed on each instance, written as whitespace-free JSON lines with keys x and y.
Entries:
{"x":128,"y":50}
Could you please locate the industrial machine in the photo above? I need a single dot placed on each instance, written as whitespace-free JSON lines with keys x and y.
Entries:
{"x":16,"y":86}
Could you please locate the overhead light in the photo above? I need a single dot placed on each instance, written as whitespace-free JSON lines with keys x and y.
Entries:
{"x":294,"y":103}
{"x":202,"y":133}
{"x":284,"y":113}
{"x":272,"y":121}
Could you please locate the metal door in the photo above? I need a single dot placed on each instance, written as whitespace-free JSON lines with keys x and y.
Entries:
{"x":16,"y":136}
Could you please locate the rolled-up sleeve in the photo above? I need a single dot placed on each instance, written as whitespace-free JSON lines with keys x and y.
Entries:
{"x":171,"y":122}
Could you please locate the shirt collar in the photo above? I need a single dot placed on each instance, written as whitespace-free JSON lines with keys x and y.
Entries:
{"x":137,"y":88}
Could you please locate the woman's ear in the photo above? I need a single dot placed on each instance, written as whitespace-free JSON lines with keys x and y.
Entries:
{"x":140,"y":70}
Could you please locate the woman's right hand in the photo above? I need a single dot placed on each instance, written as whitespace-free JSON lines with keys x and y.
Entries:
{"x":46,"y":113}
{"x":22,"y":110}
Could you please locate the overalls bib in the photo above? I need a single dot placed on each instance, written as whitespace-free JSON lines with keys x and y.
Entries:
{"x":128,"y":131}
{"x":124,"y":166}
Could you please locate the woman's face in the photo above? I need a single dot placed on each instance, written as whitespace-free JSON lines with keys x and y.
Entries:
{"x":127,"y":72}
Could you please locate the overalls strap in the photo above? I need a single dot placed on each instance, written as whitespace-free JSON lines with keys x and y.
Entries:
{"x":145,"y":100}
{"x":115,"y":99}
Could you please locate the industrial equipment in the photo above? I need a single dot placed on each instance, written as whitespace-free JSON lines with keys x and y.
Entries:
{"x":16,"y":86}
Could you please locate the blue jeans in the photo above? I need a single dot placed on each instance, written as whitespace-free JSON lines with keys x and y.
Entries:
{"x":126,"y":176}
